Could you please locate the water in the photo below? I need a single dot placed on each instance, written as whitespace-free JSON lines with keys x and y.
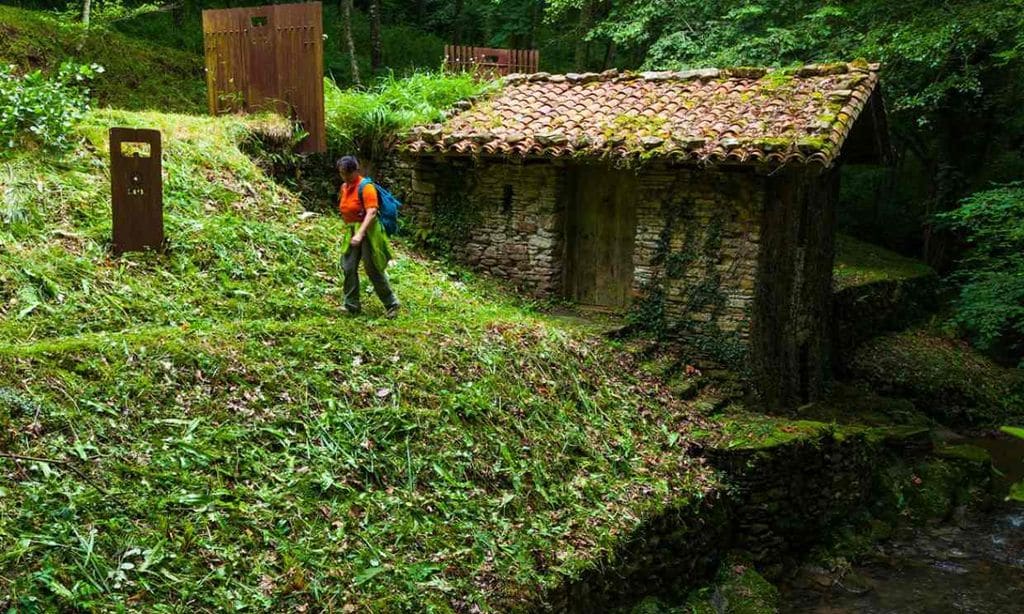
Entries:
{"x":974,"y":566}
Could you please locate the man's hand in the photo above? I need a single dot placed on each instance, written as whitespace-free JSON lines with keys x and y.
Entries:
{"x":356,"y":239}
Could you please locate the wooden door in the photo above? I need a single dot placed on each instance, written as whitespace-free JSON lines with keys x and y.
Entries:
{"x":600,"y":227}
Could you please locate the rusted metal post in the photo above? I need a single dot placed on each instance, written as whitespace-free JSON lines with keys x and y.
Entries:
{"x":136,"y":190}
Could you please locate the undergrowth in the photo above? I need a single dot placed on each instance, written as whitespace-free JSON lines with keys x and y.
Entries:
{"x":369,"y":121}
{"x":139,"y":75}
{"x":202,"y":430}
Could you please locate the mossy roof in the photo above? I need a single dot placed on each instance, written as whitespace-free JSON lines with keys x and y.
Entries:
{"x":739,"y":115}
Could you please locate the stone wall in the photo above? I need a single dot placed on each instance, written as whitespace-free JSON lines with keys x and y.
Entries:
{"x":502,"y":218}
{"x":775,"y":503}
{"x":697,"y":243}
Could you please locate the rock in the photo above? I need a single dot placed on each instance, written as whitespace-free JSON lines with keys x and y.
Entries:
{"x":552,"y":138}
{"x":856,"y":584}
{"x":840,"y":95}
{"x":650,"y":142}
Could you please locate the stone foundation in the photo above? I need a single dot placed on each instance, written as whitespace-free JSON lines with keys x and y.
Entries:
{"x":775,"y":504}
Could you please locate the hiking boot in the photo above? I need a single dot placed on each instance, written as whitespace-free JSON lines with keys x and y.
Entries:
{"x":350,"y":312}
{"x":392,"y":312}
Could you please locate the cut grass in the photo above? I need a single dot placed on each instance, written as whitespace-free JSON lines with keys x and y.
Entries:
{"x":247,"y":447}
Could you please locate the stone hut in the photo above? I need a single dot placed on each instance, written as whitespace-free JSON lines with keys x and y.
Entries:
{"x":703,"y":201}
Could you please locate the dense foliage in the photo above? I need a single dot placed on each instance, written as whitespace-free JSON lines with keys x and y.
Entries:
{"x":991,"y":302}
{"x":367,"y":121}
{"x":41,"y":110}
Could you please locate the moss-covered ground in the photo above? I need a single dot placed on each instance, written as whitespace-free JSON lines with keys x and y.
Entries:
{"x":138,"y":75}
{"x":204,"y":430}
{"x":944,"y":377}
{"x":858,"y":263}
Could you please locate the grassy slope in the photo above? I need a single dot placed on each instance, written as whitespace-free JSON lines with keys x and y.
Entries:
{"x":138,"y":75}
{"x":247,"y":446}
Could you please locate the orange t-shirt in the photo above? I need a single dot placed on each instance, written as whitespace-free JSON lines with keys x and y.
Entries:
{"x":348,"y":200}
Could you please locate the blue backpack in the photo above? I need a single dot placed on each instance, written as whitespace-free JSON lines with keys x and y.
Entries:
{"x":387,"y":205}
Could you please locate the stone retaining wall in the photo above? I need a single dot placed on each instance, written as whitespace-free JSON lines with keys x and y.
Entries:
{"x":775,"y":503}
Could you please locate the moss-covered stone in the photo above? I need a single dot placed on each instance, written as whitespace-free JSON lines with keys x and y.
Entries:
{"x":966,"y":452}
{"x":738,"y":589}
{"x":858,"y":263}
{"x":944,"y":377}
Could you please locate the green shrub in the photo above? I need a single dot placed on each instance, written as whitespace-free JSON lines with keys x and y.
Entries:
{"x":41,"y":110}
{"x":990,"y":308}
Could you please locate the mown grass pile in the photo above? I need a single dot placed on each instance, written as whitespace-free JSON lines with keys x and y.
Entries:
{"x":218,"y":436}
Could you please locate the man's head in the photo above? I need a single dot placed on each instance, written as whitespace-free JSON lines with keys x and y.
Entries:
{"x":348,"y":167}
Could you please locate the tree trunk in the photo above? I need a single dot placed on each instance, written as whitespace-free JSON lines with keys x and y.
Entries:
{"x":376,"y":55}
{"x":86,"y":6}
{"x":457,"y":24}
{"x":583,"y":45}
{"x":609,"y":56}
{"x":536,"y":12}
{"x":346,"y":35}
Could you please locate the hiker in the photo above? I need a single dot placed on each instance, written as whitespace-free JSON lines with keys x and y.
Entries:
{"x":364,"y":239}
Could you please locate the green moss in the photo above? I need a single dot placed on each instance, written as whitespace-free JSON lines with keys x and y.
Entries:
{"x":946,"y":378}
{"x":859,"y":263}
{"x":738,"y":589}
{"x":741,"y":430}
{"x":777,"y":81}
{"x":635,"y":126}
{"x":969,"y":453}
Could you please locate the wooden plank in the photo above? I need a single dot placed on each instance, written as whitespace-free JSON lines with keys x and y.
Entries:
{"x":600,"y":235}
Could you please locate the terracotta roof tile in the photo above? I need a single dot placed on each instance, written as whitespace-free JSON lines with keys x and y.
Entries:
{"x":739,"y":115}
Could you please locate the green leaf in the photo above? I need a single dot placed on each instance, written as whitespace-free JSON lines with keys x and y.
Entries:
{"x":367,"y":574}
{"x":1016,"y":492}
{"x":1014,"y":430}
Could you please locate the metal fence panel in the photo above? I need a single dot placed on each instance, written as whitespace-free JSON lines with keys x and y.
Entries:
{"x":268,"y":58}
{"x":490,"y":61}
{"x":136,"y":189}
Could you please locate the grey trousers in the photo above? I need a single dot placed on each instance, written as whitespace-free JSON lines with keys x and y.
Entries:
{"x":379,"y":279}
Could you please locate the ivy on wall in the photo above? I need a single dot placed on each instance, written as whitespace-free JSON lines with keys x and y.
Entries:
{"x":696,"y":257}
{"x":452,"y":216}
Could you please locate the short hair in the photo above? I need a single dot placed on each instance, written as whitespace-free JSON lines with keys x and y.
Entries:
{"x":348,"y":164}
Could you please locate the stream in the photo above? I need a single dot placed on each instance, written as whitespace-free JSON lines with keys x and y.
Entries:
{"x":974,"y":563}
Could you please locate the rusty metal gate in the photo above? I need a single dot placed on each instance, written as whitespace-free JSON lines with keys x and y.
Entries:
{"x":136,"y":190}
{"x":490,"y":61}
{"x":268,"y":58}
